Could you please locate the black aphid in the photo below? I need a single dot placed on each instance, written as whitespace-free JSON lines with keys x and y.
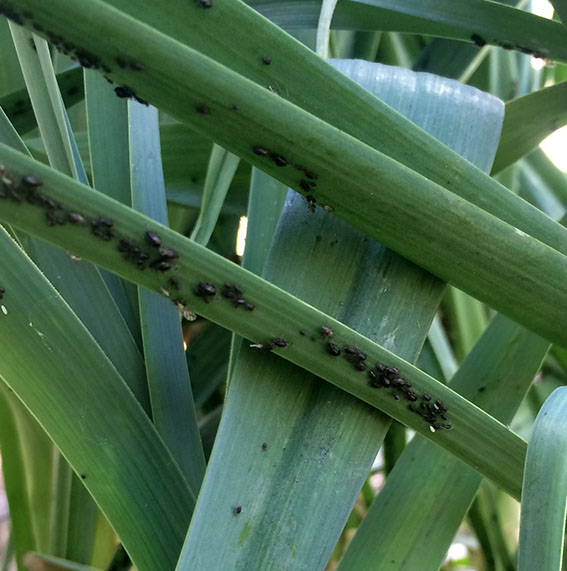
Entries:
{"x":279,"y":342}
{"x":239,"y":302}
{"x":265,"y":446}
{"x":153,"y":239}
{"x":392,"y":372}
{"x":441,"y":405}
{"x":303,"y":332}
{"x":478,"y":40}
{"x":236,"y":107}
{"x":168,"y":253}
{"x":203,"y":110}
{"x":333,"y":349}
{"x":2,"y":292}
{"x":326,"y":331}
{"x":142,"y":101}
{"x":374,"y":380}
{"x":237,"y":510}
{"x":205,"y":290}
{"x":266,"y":60}
{"x":161,"y":265}
{"x":83,"y":476}
{"x":279,"y":160}
{"x":310,"y":175}
{"x":260,"y":151}
{"x":350,"y":350}
{"x":137,"y":66}
{"x":31,"y":181}
{"x":311,"y":202}
{"x":396,"y":396}
{"x":126,"y":245}
{"x":76,"y":218}
{"x":102,"y":228}
{"x":426,"y":397}
{"x":411,"y":396}
{"x":447,"y":426}
{"x":205,"y":3}
{"x":305,"y":185}
{"x":361,"y":366}
{"x":174,"y":282}
{"x":124,"y":92}
{"x":399,"y":383}
{"x":249,"y":307}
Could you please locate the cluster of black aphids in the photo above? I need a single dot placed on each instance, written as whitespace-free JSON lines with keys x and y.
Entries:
{"x":134,"y":253}
{"x":27,"y":189}
{"x":353,"y":355}
{"x":205,"y":291}
{"x":232,"y":291}
{"x":434,"y":413}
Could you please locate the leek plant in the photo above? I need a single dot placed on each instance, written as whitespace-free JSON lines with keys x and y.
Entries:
{"x":356,"y":388}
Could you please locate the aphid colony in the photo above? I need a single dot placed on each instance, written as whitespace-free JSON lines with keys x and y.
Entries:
{"x":154,"y":254}
{"x":151,"y":252}
{"x":382,"y":376}
{"x":480,"y":42}
{"x":307,"y":184}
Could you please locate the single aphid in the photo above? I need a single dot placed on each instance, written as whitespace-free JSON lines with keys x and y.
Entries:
{"x":237,"y":510}
{"x":266,"y":60}
{"x":203,"y":110}
{"x":104,"y":221}
{"x":30,"y":180}
{"x":326,"y":331}
{"x":249,"y":306}
{"x":441,"y":405}
{"x":260,"y":151}
{"x":205,"y":290}
{"x":279,"y":342}
{"x":168,"y":253}
{"x":76,"y":218}
{"x":279,"y":160}
{"x":333,"y":349}
{"x":478,"y":40}
{"x":124,"y":92}
{"x":153,"y":239}
{"x":411,"y":396}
